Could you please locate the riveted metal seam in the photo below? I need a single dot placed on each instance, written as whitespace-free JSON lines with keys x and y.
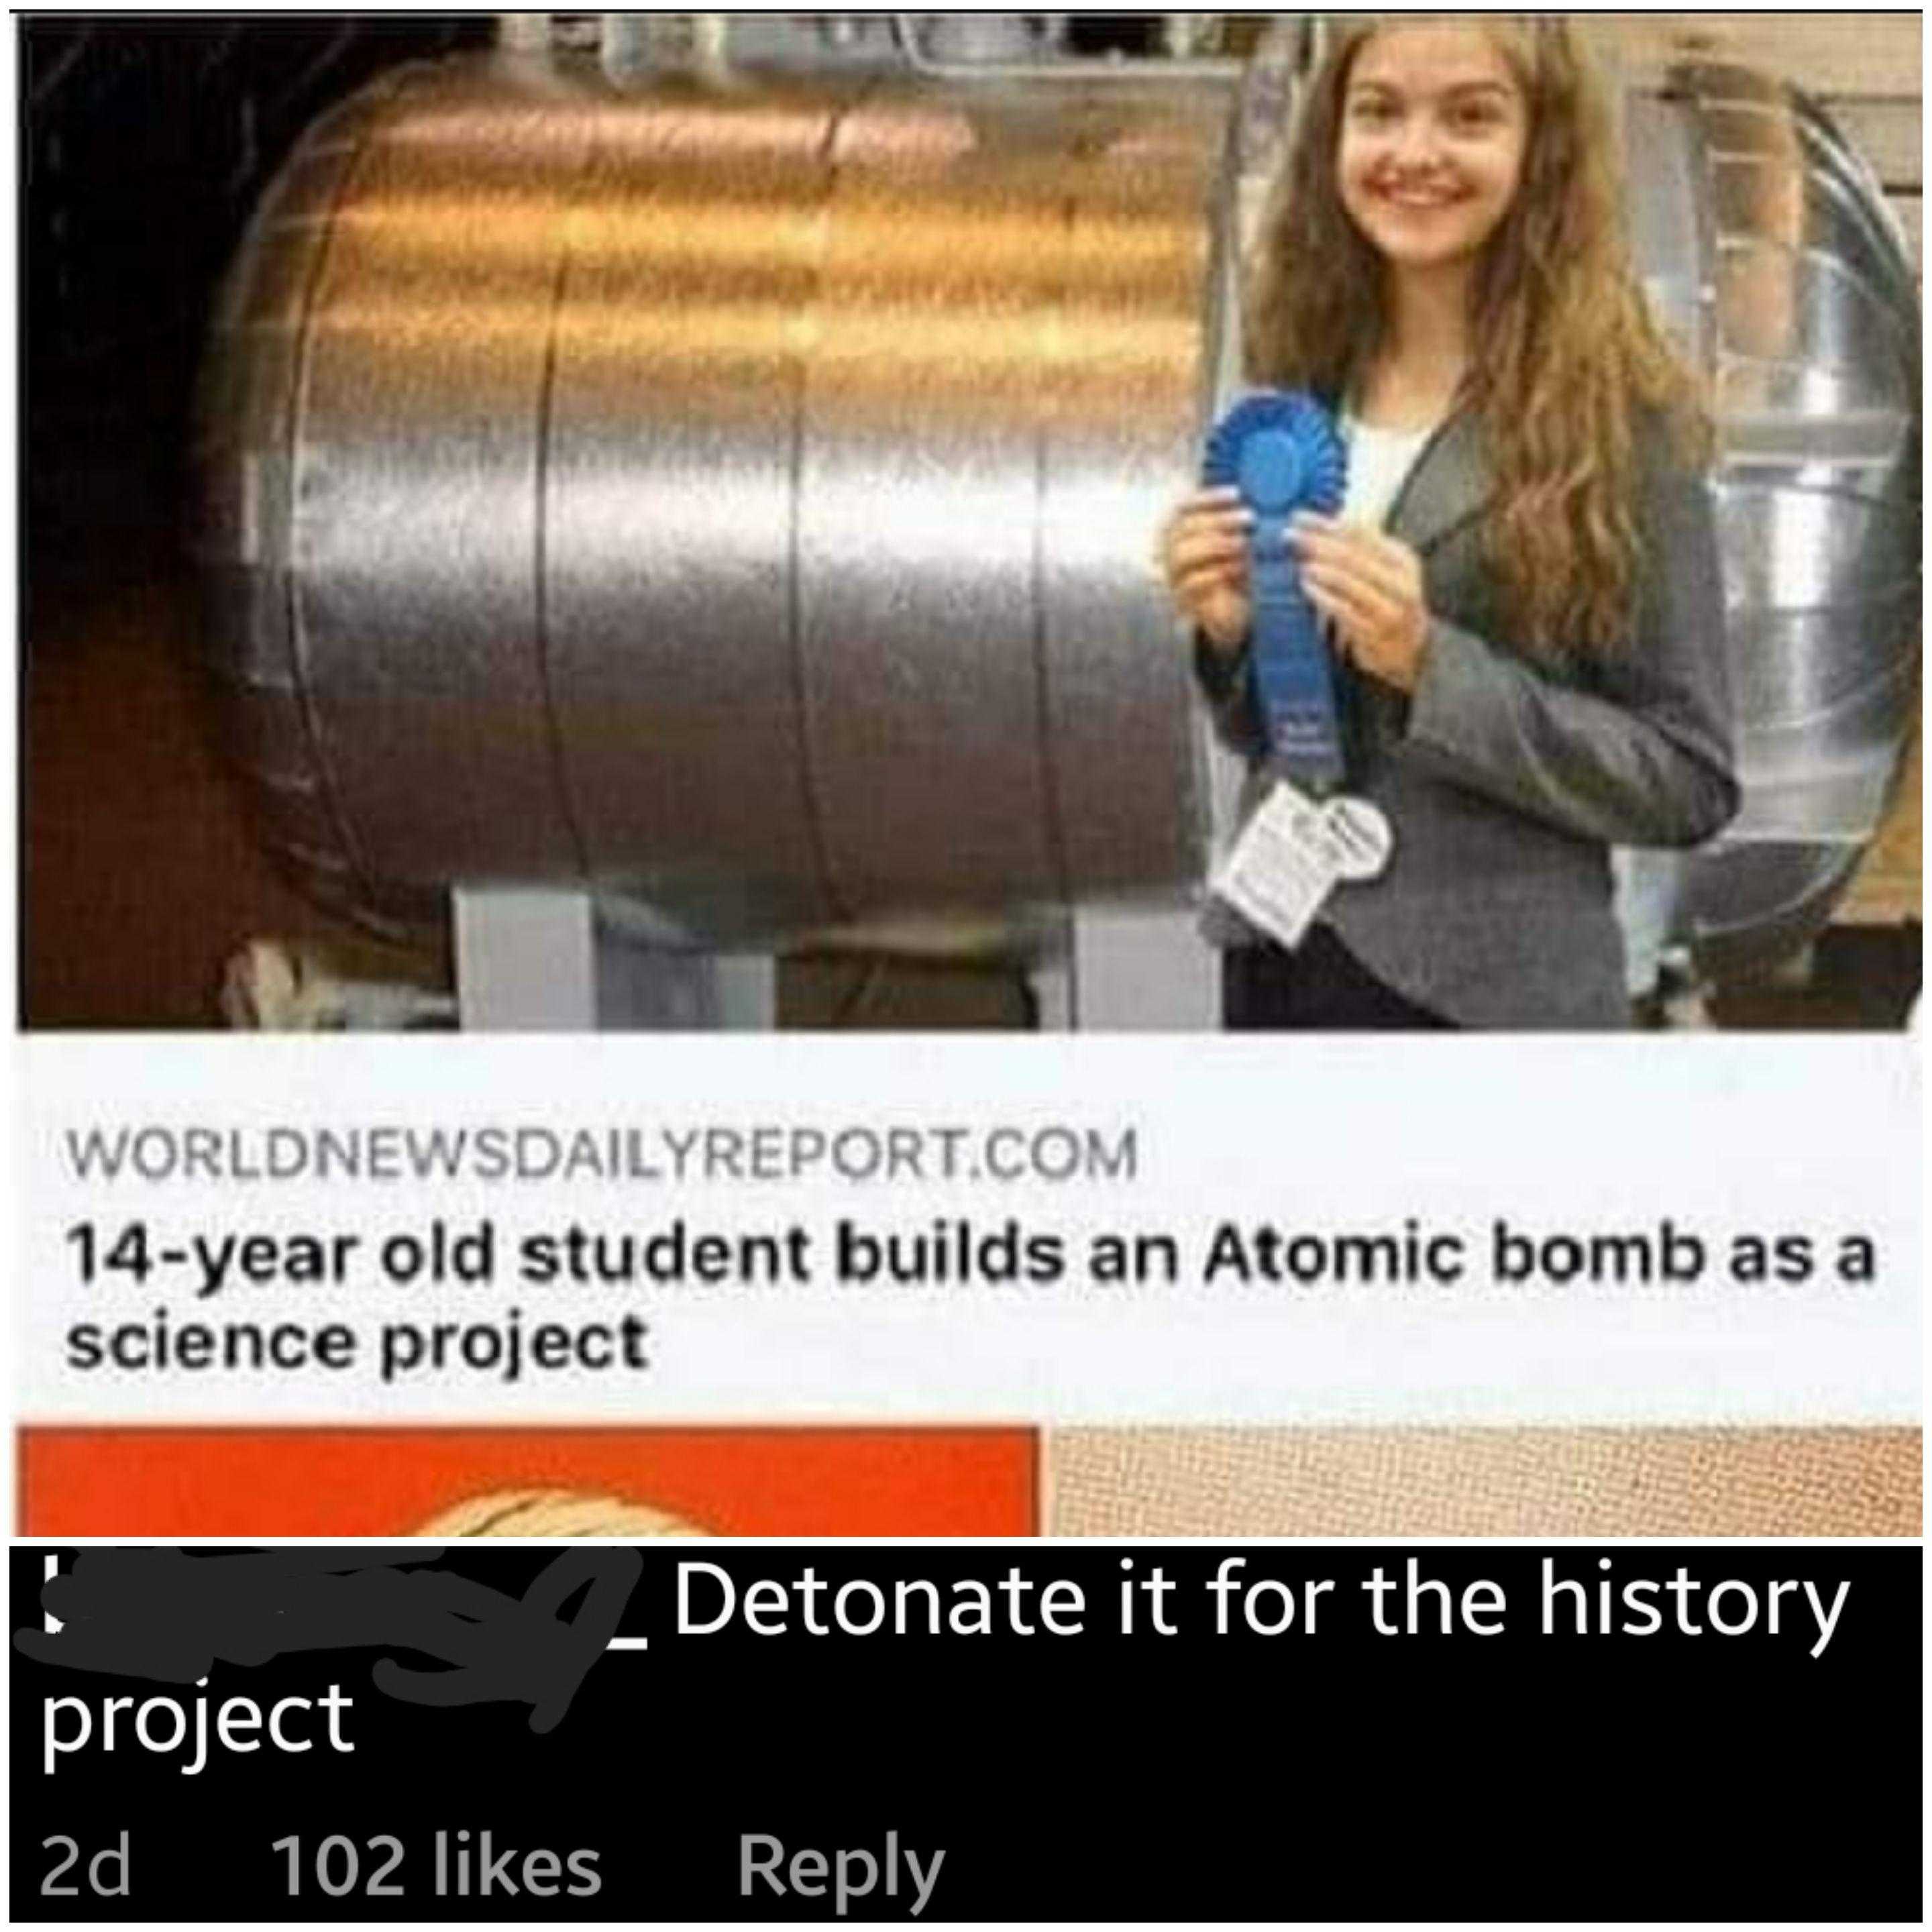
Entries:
{"x":566,"y":800}
{"x":837,"y":905}
{"x":380,"y":115}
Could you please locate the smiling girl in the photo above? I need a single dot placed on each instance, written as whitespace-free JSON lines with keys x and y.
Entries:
{"x":1522,"y":588}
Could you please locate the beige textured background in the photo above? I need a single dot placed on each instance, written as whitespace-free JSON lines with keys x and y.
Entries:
{"x":1865,"y":68}
{"x":1483,"y":1482}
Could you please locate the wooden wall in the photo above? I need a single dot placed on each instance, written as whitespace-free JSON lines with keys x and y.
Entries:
{"x":1865,"y":67}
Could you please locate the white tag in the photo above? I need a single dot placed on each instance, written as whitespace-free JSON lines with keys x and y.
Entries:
{"x":1283,"y":867}
{"x":1293,"y":852}
{"x":1361,"y":840}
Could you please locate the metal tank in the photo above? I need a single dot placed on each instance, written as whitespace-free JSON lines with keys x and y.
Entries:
{"x":1769,"y":250}
{"x":737,"y":498}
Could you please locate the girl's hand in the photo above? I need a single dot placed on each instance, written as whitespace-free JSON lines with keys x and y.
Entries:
{"x":1204,"y":556}
{"x":1369,"y":586}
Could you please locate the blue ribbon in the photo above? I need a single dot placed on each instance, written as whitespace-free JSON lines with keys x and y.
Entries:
{"x":1281,"y":450}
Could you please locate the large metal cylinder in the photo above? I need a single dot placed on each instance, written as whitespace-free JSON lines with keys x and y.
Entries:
{"x":1769,"y":248}
{"x":740,"y":501}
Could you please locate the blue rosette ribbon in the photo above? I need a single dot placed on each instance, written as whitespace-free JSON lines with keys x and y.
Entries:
{"x":1281,"y":449}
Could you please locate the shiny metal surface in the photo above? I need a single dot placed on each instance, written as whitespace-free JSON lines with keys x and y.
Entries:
{"x":246,"y":504}
{"x":739,"y":501}
{"x":1772,"y":256}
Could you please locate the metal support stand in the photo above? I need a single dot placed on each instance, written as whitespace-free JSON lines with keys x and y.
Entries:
{"x":526,"y":961}
{"x":545,"y":962}
{"x":1131,"y":971}
{"x":542,"y":962}
{"x":1149,"y":971}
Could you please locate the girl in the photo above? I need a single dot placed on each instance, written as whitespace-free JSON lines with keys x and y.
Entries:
{"x":1522,"y":589}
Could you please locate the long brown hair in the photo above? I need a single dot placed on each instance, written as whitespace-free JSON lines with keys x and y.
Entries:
{"x":1570,"y":354}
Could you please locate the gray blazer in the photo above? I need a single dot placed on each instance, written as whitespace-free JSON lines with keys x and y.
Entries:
{"x":1508,"y":778}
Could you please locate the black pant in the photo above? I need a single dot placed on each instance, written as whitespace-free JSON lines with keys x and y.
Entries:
{"x":1322,"y":987}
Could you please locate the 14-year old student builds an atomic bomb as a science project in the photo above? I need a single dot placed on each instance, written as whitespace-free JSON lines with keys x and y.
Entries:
{"x":957,"y":1252}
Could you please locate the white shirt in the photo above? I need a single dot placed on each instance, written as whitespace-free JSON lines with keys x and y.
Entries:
{"x":1379,"y":461}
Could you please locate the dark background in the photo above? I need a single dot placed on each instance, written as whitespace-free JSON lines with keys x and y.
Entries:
{"x":1344,"y":1777}
{"x":144,"y":145}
